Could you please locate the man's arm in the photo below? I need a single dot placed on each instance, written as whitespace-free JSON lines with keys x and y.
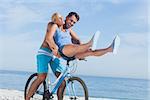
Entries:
{"x":75,"y":38}
{"x":51,"y":29}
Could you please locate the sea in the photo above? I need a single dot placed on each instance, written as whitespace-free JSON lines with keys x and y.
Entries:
{"x":98,"y":87}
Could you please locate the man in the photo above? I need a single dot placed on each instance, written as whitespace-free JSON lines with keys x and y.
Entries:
{"x":43,"y":60}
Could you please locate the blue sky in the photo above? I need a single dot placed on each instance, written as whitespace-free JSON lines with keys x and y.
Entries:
{"x":23,"y":25}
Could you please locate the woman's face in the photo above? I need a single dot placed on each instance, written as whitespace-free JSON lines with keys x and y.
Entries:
{"x":59,"y":20}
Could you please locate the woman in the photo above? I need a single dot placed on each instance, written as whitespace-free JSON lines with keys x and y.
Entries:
{"x":59,"y":41}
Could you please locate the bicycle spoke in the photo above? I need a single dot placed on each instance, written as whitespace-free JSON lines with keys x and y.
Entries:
{"x":76,"y":90}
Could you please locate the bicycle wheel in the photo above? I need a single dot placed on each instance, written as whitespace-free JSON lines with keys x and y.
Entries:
{"x":39,"y":94}
{"x":76,"y":89}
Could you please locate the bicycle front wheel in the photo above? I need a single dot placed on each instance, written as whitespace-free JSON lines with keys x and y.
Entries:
{"x":76,"y":89}
{"x":39,"y":94}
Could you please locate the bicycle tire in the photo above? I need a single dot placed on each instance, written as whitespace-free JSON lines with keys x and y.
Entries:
{"x":84,"y":88}
{"x":28,"y":83}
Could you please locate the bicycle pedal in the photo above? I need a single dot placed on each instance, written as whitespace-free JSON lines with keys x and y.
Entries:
{"x":51,"y":97}
{"x":73,"y":98}
{"x":47,"y":94}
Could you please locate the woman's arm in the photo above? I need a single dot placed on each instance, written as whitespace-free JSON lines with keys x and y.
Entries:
{"x":51,"y":29}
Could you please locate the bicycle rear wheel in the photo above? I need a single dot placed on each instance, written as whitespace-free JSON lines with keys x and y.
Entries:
{"x":76,"y":89}
{"x":39,"y":94}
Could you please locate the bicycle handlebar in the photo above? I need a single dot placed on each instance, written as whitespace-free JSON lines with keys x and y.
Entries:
{"x":81,"y":59}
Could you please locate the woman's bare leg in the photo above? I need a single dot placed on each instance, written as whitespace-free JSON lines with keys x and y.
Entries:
{"x":73,"y":49}
{"x":98,"y":52}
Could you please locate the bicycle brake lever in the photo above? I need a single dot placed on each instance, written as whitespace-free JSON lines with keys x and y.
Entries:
{"x":83,"y":59}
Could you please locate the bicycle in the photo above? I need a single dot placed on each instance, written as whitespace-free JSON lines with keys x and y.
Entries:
{"x":75,"y":88}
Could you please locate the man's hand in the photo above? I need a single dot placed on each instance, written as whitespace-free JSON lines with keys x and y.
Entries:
{"x":75,"y":41}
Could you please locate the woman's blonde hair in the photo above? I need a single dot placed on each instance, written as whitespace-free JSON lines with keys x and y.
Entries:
{"x":54,"y":16}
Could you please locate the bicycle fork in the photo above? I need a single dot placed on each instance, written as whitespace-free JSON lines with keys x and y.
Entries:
{"x":71,"y":90}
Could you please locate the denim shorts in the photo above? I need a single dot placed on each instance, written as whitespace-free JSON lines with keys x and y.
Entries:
{"x":63,"y":55}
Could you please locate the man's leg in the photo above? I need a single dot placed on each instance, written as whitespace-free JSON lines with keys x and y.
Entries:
{"x":60,"y":90}
{"x":40,"y":79}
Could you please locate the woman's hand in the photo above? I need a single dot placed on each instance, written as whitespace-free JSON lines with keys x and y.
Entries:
{"x":55,"y":52}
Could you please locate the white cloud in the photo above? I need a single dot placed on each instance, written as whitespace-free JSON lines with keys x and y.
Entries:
{"x":19,"y":15}
{"x":149,"y":37}
{"x":130,"y":61}
{"x":135,"y":39}
{"x":18,"y":51}
{"x":115,"y":1}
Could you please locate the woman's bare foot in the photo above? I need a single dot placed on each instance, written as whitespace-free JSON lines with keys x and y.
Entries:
{"x":95,"y":40}
{"x":115,"y":45}
{"x":110,"y":49}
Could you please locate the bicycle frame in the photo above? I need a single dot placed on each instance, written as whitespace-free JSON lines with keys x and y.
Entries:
{"x":61,"y":77}
{"x":72,"y":85}
{"x":59,"y":80}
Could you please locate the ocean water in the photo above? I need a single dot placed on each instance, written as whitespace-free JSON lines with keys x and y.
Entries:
{"x":101,"y":87}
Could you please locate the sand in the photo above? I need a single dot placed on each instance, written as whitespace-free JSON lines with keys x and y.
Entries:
{"x":7,"y":94}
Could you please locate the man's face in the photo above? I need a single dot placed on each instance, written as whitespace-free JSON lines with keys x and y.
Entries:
{"x":70,"y":21}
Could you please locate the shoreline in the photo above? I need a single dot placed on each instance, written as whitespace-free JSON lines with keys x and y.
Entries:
{"x":11,"y":94}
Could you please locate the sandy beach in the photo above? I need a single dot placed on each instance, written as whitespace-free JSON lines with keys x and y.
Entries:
{"x":7,"y":94}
